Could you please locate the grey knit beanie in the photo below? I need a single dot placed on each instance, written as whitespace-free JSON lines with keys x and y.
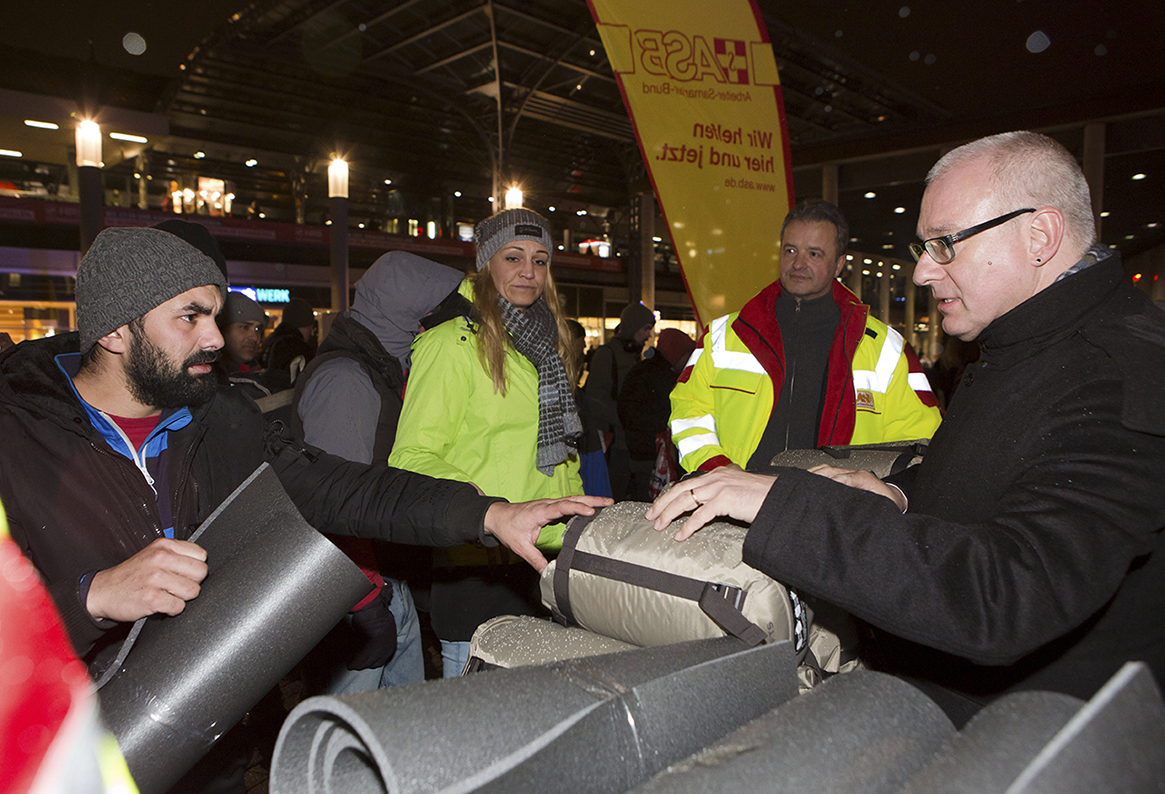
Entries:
{"x":509,"y":225}
{"x":128,"y":272}
{"x":198,"y":236}
{"x":241,"y":309}
{"x":633,"y":317}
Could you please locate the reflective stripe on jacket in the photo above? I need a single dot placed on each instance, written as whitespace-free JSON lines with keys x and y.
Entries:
{"x":875,"y":390}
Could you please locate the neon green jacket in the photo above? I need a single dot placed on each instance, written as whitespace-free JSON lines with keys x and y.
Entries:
{"x":875,"y":389}
{"x":454,"y":425}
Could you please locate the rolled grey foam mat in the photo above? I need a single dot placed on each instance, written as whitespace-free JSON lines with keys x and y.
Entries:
{"x":997,"y":744}
{"x":1116,"y":742}
{"x":859,"y":732}
{"x":599,"y":724}
{"x":274,"y":589}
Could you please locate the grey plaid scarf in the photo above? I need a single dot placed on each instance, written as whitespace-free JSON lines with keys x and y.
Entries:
{"x":534,"y":333}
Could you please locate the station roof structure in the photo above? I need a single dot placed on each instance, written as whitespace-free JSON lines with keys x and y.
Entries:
{"x":431,"y":98}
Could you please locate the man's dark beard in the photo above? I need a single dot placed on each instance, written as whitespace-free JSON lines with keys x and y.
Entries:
{"x":154,"y":381}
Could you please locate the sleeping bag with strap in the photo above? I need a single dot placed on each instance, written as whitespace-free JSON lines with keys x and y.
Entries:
{"x":618,"y":577}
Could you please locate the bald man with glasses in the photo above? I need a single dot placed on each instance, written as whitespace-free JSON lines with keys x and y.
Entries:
{"x":1026,"y":551}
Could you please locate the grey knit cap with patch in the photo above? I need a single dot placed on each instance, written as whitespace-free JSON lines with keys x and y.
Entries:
{"x":239,"y":308}
{"x":128,"y":272}
{"x":509,"y":225}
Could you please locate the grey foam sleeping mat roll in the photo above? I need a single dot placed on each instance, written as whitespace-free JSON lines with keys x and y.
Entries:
{"x":599,"y":724}
{"x":275,"y":587}
{"x":872,"y":733}
{"x":859,"y":732}
{"x":992,"y":749}
{"x":1115,"y":742}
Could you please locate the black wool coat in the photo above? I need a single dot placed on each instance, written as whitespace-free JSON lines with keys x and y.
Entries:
{"x":1031,"y":555}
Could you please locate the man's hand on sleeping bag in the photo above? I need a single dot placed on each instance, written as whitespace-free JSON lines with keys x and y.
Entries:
{"x":865,"y":481}
{"x":516,"y":526}
{"x":726,"y":491}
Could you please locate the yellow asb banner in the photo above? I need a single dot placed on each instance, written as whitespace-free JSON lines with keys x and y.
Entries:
{"x":702,"y":90}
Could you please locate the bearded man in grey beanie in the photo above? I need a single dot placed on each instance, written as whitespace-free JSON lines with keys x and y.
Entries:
{"x":119,"y":442}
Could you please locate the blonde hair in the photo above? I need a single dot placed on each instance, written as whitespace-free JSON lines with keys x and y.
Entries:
{"x":493,"y":338}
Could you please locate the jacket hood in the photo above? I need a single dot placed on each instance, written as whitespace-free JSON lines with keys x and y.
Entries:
{"x":349,"y":335}
{"x":395,"y":293}
{"x":31,"y":379}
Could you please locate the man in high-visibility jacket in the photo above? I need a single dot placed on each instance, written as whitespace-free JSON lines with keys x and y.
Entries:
{"x":802,"y":365}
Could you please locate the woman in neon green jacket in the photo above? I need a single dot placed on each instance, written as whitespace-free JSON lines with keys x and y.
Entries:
{"x":489,"y":401}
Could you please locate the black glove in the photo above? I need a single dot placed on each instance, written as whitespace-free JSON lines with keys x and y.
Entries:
{"x":373,"y":640}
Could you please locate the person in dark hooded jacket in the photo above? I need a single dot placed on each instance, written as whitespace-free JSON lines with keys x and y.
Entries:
{"x":293,"y":339}
{"x":644,"y":406}
{"x":609,"y":366}
{"x":348,"y":402}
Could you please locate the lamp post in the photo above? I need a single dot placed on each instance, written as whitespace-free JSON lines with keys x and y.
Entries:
{"x":514,"y":198}
{"x":338,"y":235}
{"x":89,"y":187}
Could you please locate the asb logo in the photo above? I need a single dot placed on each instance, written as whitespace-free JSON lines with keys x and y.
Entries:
{"x":685,"y":59}
{"x":731,"y":54}
{"x":864,"y":400}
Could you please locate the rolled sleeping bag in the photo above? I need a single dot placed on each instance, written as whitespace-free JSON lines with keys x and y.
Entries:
{"x":618,"y":577}
{"x":522,"y":640}
{"x":863,"y":732}
{"x":882,"y":459}
{"x":600,"y":724}
{"x":275,"y":587}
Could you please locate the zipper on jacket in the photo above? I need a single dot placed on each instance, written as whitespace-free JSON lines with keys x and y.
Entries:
{"x":776,"y":356}
{"x":144,"y":506}
{"x":792,"y":365}
{"x":183,"y":474}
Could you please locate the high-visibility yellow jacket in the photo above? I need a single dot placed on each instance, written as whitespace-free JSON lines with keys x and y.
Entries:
{"x":875,"y":389}
{"x":454,"y":425}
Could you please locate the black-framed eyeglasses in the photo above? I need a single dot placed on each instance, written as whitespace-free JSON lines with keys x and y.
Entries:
{"x":942,"y":249}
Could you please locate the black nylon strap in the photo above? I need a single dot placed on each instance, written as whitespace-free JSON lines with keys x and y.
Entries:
{"x":619,"y":570}
{"x":836,"y":452}
{"x":712,"y":598}
{"x":562,"y":612}
{"x":903,"y":461}
{"x":728,"y":617}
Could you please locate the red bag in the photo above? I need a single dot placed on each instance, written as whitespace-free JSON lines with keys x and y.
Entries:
{"x":667,"y":464}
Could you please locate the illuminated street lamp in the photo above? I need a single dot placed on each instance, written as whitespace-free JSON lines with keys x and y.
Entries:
{"x":89,"y":188}
{"x":338,"y":179}
{"x":338,"y":232}
{"x":89,"y":144}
